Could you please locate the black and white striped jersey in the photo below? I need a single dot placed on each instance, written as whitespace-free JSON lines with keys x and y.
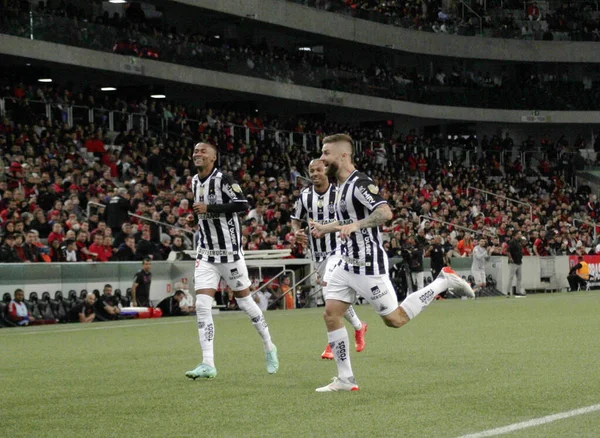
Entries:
{"x":220,"y":233}
{"x":362,"y":252}
{"x":320,"y":208}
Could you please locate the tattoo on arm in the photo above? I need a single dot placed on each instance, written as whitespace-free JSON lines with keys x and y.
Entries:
{"x":375,"y":219}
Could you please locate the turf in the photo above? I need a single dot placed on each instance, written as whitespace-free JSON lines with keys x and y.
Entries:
{"x":460,"y":367}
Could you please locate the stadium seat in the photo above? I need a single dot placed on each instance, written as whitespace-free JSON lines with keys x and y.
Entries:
{"x":45,"y":307}
{"x":124,"y":301}
{"x":4,"y":321}
{"x":83,"y":294}
{"x":32,"y":305}
{"x":97,"y":293}
{"x":58,"y":305}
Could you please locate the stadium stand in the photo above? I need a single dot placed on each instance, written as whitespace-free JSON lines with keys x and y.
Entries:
{"x":371,"y":74}
{"x":54,"y":172}
{"x":543,"y":20}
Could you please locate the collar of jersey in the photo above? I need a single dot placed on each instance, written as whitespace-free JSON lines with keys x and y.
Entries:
{"x":202,"y":181}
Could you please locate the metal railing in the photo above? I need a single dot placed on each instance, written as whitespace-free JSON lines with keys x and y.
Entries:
{"x":282,"y":272}
{"x":516,"y":201}
{"x":472,"y":230}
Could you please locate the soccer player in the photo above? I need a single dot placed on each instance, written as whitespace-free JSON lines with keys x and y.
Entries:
{"x":480,"y":256}
{"x":317,"y":204}
{"x":360,"y":210}
{"x":217,"y":202}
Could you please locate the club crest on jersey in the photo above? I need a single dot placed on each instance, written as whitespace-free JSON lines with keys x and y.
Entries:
{"x":331,"y":208}
{"x":373,"y":188}
{"x":320,"y":203}
{"x":343,"y":205}
{"x":212,"y":198}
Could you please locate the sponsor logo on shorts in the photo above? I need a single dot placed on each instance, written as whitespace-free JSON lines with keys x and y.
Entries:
{"x":383,"y":308}
{"x":235,"y":274}
{"x":378,"y":293}
{"x":238,"y":284}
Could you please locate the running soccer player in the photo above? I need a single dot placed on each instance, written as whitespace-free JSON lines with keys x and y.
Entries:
{"x":217,"y":202}
{"x":317,"y":204}
{"x":360,"y":211}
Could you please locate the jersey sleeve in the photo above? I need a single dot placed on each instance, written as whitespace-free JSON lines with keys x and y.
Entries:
{"x":367,"y":193}
{"x":299,"y":209}
{"x":232,"y":192}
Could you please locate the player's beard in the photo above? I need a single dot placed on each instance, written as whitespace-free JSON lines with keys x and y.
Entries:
{"x":332,"y":169}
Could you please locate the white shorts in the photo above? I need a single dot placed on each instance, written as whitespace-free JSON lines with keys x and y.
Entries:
{"x":376,"y":289}
{"x":478,"y":276}
{"x":208,"y":275}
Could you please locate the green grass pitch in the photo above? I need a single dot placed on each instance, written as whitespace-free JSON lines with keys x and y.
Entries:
{"x":460,"y":367}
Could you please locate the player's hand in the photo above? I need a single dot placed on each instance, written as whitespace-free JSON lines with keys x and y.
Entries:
{"x":133,"y":303}
{"x":348,"y":229}
{"x":199,"y":207}
{"x":316,"y":230}
{"x":301,"y":237}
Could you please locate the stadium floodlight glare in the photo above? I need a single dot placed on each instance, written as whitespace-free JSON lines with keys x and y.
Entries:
{"x":305,"y":49}
{"x":108,"y":89}
{"x":45,"y":80}
{"x":117,"y":1}
{"x":158,"y":96}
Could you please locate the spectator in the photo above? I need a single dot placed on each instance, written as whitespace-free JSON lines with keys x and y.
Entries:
{"x":165,"y":247}
{"x":140,"y":290}
{"x":71,"y":252}
{"x":170,"y":306}
{"x":465,"y":246}
{"x":8,"y":253}
{"x":127,"y":250}
{"x":117,"y":211}
{"x":98,"y":250}
{"x":83,"y":312}
{"x":31,"y":253}
{"x":17,"y":309}
{"x":145,"y":248}
{"x":107,"y":307}
{"x":56,"y":234}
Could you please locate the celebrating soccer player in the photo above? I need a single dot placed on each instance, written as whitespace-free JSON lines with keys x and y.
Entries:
{"x":317,"y":204}
{"x":217,"y":202}
{"x":360,"y":211}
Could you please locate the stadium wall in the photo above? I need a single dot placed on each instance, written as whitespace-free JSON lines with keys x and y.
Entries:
{"x":340,"y":26}
{"x":63,"y":54}
{"x":50,"y":277}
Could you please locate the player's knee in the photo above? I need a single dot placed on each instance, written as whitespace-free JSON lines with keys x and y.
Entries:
{"x":396,"y":319}
{"x":203,"y":304}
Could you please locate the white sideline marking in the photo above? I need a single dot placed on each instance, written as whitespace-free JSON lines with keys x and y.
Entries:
{"x":80,"y":329}
{"x":533,"y":423}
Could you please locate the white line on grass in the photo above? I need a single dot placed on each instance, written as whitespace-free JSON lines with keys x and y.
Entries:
{"x":533,"y":423}
{"x":79,"y":329}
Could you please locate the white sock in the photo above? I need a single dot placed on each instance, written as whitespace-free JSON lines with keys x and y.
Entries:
{"x":339,"y":343}
{"x":352,"y":318}
{"x":248,"y":305}
{"x":206,"y":328}
{"x":417,"y":301}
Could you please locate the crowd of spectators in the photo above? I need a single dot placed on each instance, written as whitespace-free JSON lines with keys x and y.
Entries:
{"x":576,"y":21}
{"x":52,"y":173}
{"x":368,"y":74}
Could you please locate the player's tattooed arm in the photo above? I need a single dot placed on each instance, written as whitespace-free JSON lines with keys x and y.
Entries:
{"x":380,"y":216}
